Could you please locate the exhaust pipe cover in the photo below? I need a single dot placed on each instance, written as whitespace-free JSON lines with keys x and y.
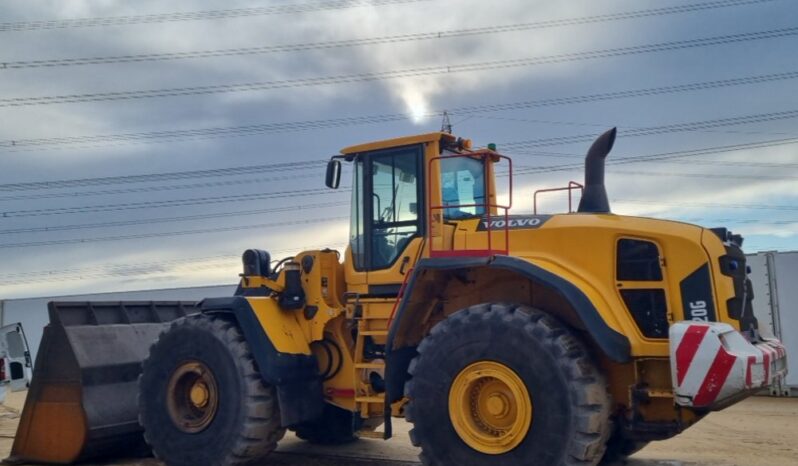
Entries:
{"x":594,"y":199}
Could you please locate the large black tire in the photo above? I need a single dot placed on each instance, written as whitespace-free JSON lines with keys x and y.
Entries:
{"x":571,"y":406}
{"x":336,"y":427}
{"x":245,"y":426}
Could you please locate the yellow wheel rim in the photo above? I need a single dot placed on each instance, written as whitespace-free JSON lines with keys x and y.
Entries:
{"x":490,"y":407}
{"x":192,"y":397}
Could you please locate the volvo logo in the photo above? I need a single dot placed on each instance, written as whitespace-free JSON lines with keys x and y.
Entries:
{"x":514,"y":222}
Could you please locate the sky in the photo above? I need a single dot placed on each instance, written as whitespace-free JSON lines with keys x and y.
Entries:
{"x":147,"y":144}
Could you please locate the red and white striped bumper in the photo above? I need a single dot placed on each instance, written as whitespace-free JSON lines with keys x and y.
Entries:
{"x":713,"y":364}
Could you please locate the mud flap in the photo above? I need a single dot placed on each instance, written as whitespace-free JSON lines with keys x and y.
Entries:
{"x":82,"y":399}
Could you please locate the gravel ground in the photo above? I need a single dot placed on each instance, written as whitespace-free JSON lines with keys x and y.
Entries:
{"x":757,"y":432}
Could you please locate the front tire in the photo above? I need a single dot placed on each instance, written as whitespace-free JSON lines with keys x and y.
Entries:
{"x":503,"y":385}
{"x":202,"y":399}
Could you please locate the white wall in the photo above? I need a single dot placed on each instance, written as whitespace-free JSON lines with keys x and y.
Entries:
{"x":787,"y":291}
{"x":32,"y":312}
{"x":775,"y":279}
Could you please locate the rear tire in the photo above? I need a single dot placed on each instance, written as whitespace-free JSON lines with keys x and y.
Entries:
{"x":531,"y":396}
{"x":334,"y":428}
{"x":202,"y":399}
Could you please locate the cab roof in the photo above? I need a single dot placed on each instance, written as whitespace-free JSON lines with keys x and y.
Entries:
{"x":398,"y":142}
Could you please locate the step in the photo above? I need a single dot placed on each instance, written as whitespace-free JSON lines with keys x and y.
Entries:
{"x":370,"y":365}
{"x":372,"y":434}
{"x":370,"y":399}
{"x":374,"y":333}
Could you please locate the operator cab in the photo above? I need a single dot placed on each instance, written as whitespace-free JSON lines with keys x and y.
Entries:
{"x":390,"y":215}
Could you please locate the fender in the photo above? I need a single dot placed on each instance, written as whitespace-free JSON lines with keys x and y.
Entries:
{"x":614,"y":345}
{"x":292,"y":370}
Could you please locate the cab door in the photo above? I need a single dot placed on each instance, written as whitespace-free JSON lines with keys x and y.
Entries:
{"x":16,"y":356}
{"x":387,"y":218}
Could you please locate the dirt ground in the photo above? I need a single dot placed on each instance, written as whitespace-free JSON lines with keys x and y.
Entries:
{"x":757,"y":432}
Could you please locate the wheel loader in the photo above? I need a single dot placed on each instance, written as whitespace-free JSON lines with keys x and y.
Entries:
{"x":504,"y":338}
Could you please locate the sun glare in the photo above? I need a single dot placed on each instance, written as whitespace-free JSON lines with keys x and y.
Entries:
{"x":417,"y":106}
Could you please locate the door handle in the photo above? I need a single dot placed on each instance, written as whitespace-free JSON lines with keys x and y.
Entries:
{"x":405,"y":261}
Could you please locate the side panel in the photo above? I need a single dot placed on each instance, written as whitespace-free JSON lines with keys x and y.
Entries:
{"x":283,"y":356}
{"x":281,"y":327}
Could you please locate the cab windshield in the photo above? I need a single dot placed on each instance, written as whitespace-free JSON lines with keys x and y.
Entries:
{"x":463,"y":186}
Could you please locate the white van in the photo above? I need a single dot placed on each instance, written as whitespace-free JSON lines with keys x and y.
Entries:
{"x":15,"y":368}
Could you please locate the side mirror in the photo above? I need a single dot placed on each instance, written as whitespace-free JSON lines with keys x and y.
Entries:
{"x":333,"y":178}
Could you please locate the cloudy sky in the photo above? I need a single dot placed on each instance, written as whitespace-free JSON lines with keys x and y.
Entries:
{"x":147,"y":144}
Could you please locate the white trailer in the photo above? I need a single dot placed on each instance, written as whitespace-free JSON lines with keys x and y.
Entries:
{"x":774,"y":276}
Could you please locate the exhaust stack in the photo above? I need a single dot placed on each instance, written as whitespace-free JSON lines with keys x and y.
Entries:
{"x":594,"y":199}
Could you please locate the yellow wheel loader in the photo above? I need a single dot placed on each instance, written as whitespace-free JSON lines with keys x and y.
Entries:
{"x":505,"y":339}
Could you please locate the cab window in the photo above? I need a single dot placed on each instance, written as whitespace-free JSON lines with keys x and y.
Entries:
{"x":395,"y":186}
{"x":357,"y":238}
{"x":462,"y":186}
{"x":642,"y":286}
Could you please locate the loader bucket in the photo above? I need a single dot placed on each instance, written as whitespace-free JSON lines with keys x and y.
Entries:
{"x":82,"y":402}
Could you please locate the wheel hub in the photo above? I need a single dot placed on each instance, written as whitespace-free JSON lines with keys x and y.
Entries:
{"x":490,"y":407}
{"x":199,"y":394}
{"x":498,"y":406}
{"x":192,"y":397}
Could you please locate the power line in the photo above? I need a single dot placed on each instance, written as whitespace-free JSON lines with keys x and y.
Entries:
{"x":147,"y":189}
{"x":313,"y":192}
{"x":268,"y":128}
{"x":454,"y":33}
{"x":195,"y":15}
{"x":713,"y":205}
{"x":704,"y":175}
{"x":161,"y":204}
{"x":734,"y":164}
{"x":619,"y":124}
{"x":165,"y":234}
{"x":384,"y":75}
{"x":155,"y":177}
{"x":656,"y":130}
{"x":241,"y":170}
{"x":171,"y":219}
{"x":525,"y":170}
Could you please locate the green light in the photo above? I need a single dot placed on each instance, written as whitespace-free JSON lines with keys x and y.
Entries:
{"x":492,"y":146}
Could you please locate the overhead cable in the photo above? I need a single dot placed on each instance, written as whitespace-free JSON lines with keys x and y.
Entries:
{"x":399,"y":38}
{"x":656,"y":130}
{"x":395,"y":74}
{"x":161,"y":204}
{"x":291,"y":8}
{"x":27,"y":244}
{"x":170,"y":219}
{"x":165,"y":136}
